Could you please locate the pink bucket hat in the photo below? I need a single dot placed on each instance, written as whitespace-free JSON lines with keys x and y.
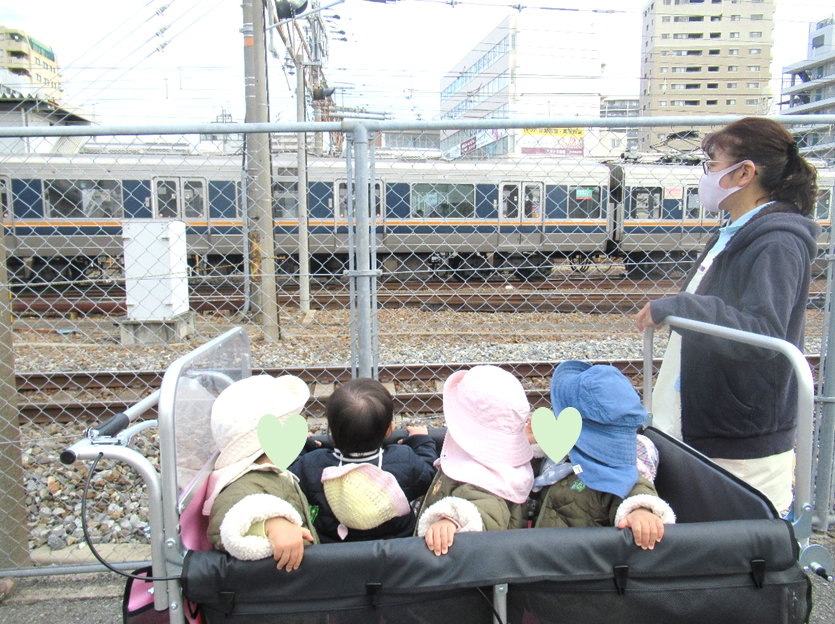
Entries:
{"x":486,"y":411}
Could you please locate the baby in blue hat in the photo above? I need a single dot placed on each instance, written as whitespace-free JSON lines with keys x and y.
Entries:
{"x":599,"y":483}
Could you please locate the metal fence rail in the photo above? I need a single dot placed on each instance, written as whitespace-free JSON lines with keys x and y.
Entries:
{"x":520,"y":240}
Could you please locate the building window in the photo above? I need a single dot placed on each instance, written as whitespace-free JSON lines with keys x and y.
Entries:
{"x":755,"y":51}
{"x":731,"y":85}
{"x":734,"y":35}
{"x":756,"y":35}
{"x":712,"y":102}
{"x":753,"y":68}
{"x":713,"y":52}
{"x":691,"y":102}
{"x":665,"y":19}
{"x":818,"y":41}
{"x":733,"y":52}
{"x":665,"y":36}
{"x":751,"y":102}
{"x":730,"y":102}
{"x":733,"y":68}
{"x":715,"y":18}
{"x":736,"y":18}
{"x":753,"y":85}
{"x":667,"y":2}
{"x":757,"y":17}
{"x":712,"y":85}
{"x":664,"y":70}
{"x":715,"y":35}
{"x":663,"y":53}
{"x":662,"y":103}
{"x":677,"y":103}
{"x":713,"y":68}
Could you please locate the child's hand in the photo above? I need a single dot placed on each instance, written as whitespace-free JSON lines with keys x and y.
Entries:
{"x":287,"y":541}
{"x":439,"y":536}
{"x":647,"y":528}
{"x":529,"y":432}
{"x":416,"y":431}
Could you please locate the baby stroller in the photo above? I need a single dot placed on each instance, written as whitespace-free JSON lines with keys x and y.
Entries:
{"x":729,"y":559}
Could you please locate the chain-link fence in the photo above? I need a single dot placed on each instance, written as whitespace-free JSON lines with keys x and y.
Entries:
{"x":519,"y":243}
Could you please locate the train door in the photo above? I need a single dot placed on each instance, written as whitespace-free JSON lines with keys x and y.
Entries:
{"x":521,"y":214}
{"x":693,"y":228}
{"x":179,"y":198}
{"x":341,"y":216}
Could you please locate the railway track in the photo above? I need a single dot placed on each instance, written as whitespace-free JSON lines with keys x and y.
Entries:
{"x":94,"y":396}
{"x":563,"y":296}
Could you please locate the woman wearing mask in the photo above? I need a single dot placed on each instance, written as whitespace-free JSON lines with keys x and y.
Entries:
{"x":737,"y":404}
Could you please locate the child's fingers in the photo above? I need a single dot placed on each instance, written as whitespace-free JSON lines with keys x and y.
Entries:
{"x":282,"y":556}
{"x":307,"y":535}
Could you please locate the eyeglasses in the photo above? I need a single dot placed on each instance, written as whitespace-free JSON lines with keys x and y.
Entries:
{"x":706,"y":165}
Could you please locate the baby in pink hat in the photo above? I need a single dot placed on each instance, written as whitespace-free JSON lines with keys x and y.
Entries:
{"x":485,"y":473}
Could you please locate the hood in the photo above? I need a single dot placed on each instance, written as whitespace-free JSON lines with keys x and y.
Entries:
{"x":777,"y":217}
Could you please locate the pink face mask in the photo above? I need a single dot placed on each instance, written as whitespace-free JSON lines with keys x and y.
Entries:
{"x":710,"y":193}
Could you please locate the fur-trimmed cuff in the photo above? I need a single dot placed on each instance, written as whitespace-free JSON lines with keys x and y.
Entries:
{"x":459,"y":510}
{"x":646,"y":501}
{"x":537,"y":451}
{"x":246,"y":512}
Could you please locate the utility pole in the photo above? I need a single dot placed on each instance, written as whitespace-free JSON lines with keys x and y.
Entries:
{"x":304,"y":256}
{"x":262,"y":229}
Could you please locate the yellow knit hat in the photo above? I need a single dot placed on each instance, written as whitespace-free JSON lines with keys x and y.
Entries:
{"x":363,"y":496}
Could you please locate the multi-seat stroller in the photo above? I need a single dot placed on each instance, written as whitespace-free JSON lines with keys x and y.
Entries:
{"x":729,"y":559}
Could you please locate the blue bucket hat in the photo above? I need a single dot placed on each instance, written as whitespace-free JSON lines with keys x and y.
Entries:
{"x":606,"y":451}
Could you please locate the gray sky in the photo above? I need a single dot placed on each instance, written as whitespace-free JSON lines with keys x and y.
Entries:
{"x":394,"y":59}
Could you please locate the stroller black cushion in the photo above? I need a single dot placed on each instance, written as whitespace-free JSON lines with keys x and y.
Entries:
{"x":729,"y":561}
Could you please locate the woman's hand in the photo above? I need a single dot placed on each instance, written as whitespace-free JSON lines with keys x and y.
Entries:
{"x":644,"y":319}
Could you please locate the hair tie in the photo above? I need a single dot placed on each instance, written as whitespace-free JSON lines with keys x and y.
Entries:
{"x":792,"y":151}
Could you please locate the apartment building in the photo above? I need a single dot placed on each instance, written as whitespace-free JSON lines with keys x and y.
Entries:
{"x":33,"y":63}
{"x":809,"y":88}
{"x":705,"y":57}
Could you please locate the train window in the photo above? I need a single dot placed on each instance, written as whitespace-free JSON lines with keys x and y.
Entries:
{"x":694,"y":206}
{"x":584,"y":202}
{"x":166,"y":195}
{"x":285,"y":200}
{"x":510,"y":201}
{"x":822,"y":209}
{"x":343,"y":199}
{"x":5,"y":200}
{"x":83,"y":199}
{"x":442,"y":201}
{"x":194,"y":199}
{"x":533,"y":201}
{"x":644,"y":203}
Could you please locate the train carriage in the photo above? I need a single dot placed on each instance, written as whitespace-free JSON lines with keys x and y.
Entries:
{"x":63,"y":214}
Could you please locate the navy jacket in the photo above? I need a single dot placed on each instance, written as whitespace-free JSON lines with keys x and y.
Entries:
{"x":411,"y":463}
{"x":740,"y":402}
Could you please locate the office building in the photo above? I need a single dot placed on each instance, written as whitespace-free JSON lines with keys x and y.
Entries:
{"x":705,"y":57}
{"x":529,"y":66}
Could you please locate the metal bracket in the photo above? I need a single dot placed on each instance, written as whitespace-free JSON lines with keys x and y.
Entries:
{"x":368,"y":273}
{"x":817,"y":559}
{"x":803,"y":525}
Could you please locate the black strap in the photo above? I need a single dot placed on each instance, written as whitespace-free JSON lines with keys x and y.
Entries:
{"x":621,"y":576}
{"x":373,"y":590}
{"x":758,"y":572}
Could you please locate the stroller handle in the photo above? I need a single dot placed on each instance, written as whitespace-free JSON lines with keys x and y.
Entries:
{"x":805,"y":392}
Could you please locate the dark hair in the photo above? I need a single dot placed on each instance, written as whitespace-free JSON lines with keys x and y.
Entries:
{"x":782,"y":171}
{"x":359,"y":414}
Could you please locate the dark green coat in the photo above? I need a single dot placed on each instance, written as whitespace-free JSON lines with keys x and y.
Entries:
{"x":496,"y":513}
{"x":570,"y":503}
{"x":281,"y":485}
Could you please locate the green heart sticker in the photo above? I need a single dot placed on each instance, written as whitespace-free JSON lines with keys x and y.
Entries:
{"x":282,"y":443}
{"x":556,"y":436}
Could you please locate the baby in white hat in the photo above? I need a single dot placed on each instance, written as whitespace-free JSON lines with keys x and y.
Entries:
{"x":485,"y":471}
{"x":255,"y":509}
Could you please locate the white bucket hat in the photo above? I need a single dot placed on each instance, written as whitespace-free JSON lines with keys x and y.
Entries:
{"x":235,"y":416}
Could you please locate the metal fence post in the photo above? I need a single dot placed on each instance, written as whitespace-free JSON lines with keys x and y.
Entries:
{"x":14,"y":537}
{"x":363,"y":252}
{"x":826,"y":427}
